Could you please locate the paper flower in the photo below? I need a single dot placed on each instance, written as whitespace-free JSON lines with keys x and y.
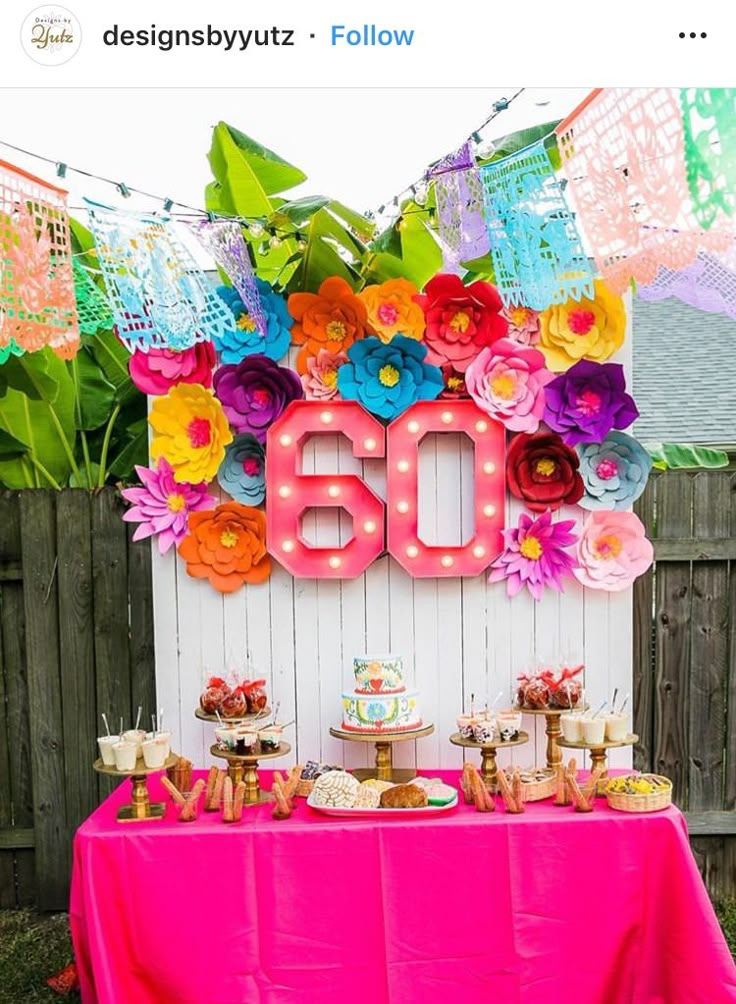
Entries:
{"x":162,"y":505}
{"x":392,"y":309}
{"x":614,"y":472}
{"x":523,"y":325}
{"x":535,"y":555}
{"x":543,"y":472}
{"x":461,"y":320}
{"x":320,"y":380}
{"x":155,"y":372}
{"x":582,"y":329}
{"x":612,"y":551}
{"x":508,"y":381}
{"x":242,"y":473}
{"x":227,"y":546}
{"x":585,"y":403}
{"x":331,"y":319}
{"x":190,"y":431}
{"x":386,"y":379}
{"x":255,"y":392}
{"x":454,"y":384}
{"x":246,"y":339}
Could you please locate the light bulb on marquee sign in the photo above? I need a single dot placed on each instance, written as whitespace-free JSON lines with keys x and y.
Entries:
{"x":296,"y":492}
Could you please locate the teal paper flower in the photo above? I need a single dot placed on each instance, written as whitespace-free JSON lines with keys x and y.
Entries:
{"x":242,"y":473}
{"x":614,"y":472}
{"x":387,"y":379}
{"x":246,"y":339}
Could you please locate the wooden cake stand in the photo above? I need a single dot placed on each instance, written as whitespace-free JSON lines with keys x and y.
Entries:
{"x":245,"y":768}
{"x":140,"y":807}
{"x":384,"y":769}
{"x":598,"y":756}
{"x":553,"y":730}
{"x":488,"y":766}
{"x":205,"y":717}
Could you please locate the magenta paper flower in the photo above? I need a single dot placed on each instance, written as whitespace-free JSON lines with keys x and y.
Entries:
{"x":320,"y":380}
{"x":155,"y":372}
{"x":535,"y":555}
{"x":612,"y":551}
{"x":162,"y":505}
{"x":523,"y":325}
{"x":254,"y":392}
{"x":507,"y":381}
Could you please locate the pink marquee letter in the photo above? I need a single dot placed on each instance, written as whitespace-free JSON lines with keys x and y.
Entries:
{"x":404,"y":436}
{"x":290,"y":492}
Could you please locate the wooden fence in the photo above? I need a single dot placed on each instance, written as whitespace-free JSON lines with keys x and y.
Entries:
{"x":76,"y":639}
{"x":685,"y":658}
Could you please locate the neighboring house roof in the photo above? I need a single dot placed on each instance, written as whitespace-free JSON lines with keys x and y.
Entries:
{"x":684,"y":374}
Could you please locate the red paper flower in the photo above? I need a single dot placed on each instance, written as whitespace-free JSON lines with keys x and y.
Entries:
{"x":461,"y":320}
{"x":543,"y":472}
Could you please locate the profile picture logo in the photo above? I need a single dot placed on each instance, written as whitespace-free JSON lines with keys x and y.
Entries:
{"x":51,"y":35}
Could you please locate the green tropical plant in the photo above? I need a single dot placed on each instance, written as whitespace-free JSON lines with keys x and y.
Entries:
{"x":683,"y":456}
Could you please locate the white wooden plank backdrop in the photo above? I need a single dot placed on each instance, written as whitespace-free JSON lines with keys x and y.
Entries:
{"x":456,"y":636}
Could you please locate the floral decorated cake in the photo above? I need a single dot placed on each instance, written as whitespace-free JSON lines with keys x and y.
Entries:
{"x":380,"y":701}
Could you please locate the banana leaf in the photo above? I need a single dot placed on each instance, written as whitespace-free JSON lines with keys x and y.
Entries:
{"x":682,"y":456}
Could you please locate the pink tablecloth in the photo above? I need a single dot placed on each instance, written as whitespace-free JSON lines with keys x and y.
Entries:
{"x":550,"y":906}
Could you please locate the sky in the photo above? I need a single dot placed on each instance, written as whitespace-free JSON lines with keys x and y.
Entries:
{"x":360,"y":146}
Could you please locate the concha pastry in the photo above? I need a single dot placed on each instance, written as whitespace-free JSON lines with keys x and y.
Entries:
{"x":369,"y":797}
{"x":336,"y":789}
{"x":374,"y":782}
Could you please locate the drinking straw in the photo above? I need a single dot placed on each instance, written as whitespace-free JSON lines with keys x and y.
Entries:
{"x":160,"y":719}
{"x":107,"y":727}
{"x":222,"y":724}
{"x":138,"y":717}
{"x":121,"y":726}
{"x":472,"y":701}
{"x":153,"y":724}
{"x":596,"y":713}
{"x":623,"y":704}
{"x":497,"y":698}
{"x":613,"y":699}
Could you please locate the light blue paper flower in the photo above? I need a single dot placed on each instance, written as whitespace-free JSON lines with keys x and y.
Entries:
{"x":387,"y":379}
{"x":247,"y":339}
{"x":242,"y":473}
{"x":614,"y":472}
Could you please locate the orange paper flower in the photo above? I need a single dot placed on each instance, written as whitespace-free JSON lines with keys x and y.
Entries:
{"x":582,"y":329}
{"x":392,"y":310}
{"x":190,"y":431}
{"x":332,"y":319}
{"x":227,"y":545}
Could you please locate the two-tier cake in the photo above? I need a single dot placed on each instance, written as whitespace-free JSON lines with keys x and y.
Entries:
{"x":380,"y":701}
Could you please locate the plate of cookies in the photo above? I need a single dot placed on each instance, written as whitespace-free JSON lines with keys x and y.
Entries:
{"x":338,"y":793}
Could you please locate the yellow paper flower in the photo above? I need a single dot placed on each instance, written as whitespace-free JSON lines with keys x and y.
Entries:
{"x":392,"y":310}
{"x":190,"y":431}
{"x":582,"y":329}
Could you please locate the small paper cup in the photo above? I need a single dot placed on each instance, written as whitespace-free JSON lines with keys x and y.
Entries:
{"x":126,"y":755}
{"x":154,"y":753}
{"x":105,"y":745}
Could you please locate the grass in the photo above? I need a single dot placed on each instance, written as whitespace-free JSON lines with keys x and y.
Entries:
{"x":35,"y":946}
{"x":32,"y":947}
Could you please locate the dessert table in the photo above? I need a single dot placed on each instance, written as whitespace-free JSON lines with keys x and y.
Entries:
{"x":551,"y":905}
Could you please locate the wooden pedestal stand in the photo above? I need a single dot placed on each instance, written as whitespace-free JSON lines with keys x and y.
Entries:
{"x":245,"y":768}
{"x":598,"y":756}
{"x":384,"y":769}
{"x":140,"y":806}
{"x":488,"y":767}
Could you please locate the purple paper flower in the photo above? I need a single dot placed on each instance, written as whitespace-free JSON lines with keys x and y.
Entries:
{"x":535,"y":555}
{"x":162,"y":505}
{"x":587,"y":401}
{"x":254,"y":393}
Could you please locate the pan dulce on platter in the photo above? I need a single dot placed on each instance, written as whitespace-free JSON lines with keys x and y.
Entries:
{"x":337,"y":789}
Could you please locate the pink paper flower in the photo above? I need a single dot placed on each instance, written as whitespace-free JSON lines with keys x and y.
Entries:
{"x":523,"y":325}
{"x":156,"y":371}
{"x":320,"y":380}
{"x":612,"y":551}
{"x":162,"y":505}
{"x":535,"y":555}
{"x":507,"y":381}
